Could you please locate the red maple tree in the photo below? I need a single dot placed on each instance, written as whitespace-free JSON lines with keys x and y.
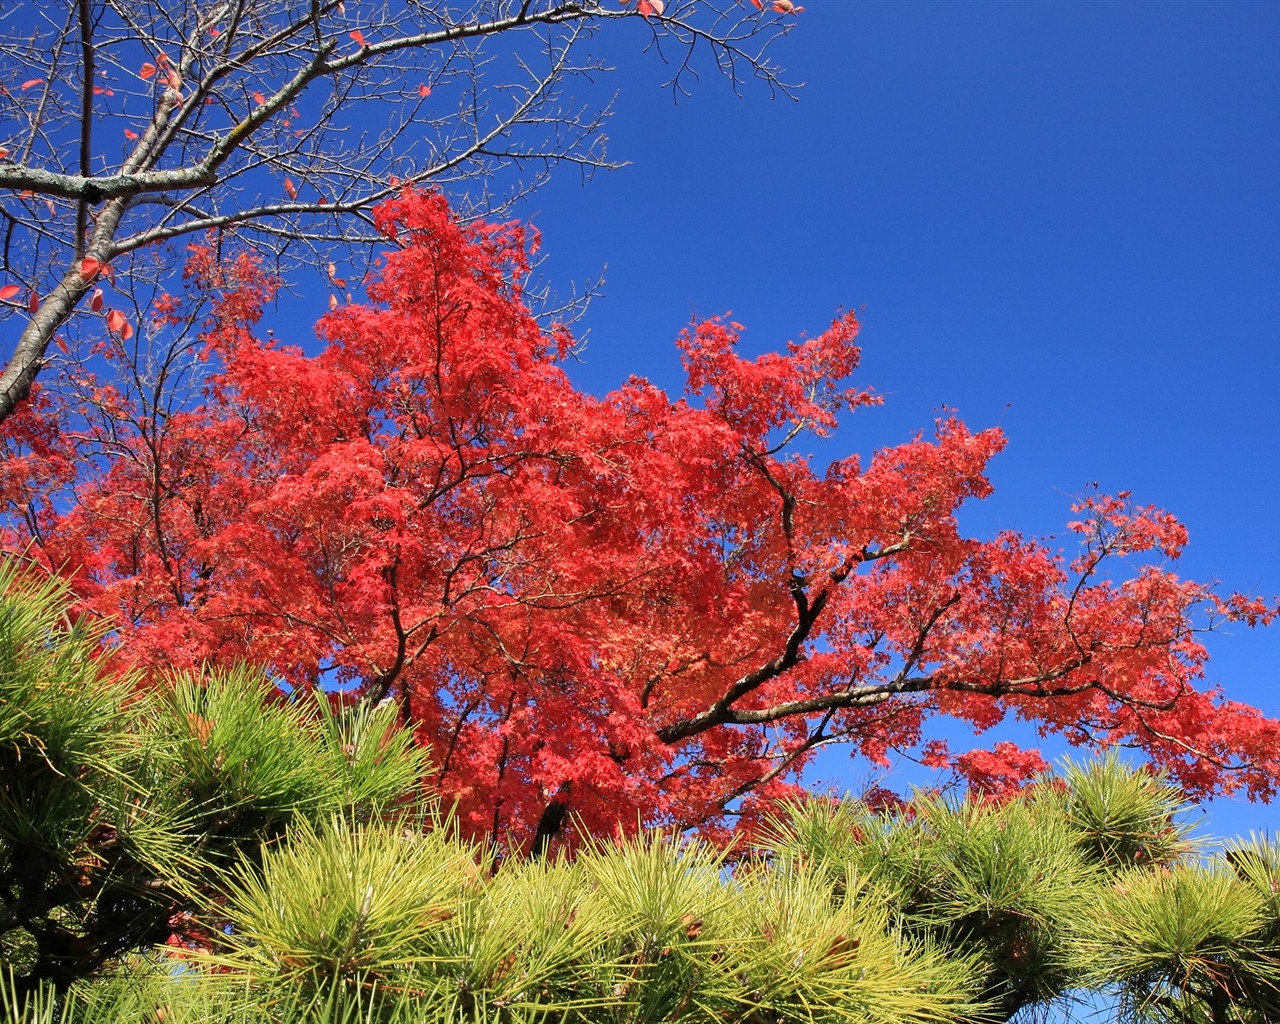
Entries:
{"x":595,"y":610}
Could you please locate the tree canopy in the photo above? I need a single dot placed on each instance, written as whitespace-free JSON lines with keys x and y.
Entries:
{"x":596,"y":611}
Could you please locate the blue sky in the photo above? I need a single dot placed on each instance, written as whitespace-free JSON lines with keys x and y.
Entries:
{"x":1059,"y":218}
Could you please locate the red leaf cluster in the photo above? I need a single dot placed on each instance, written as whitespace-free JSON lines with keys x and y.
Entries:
{"x":635,"y":607}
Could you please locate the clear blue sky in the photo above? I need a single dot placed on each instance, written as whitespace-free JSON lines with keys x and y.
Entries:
{"x":1058,"y":218}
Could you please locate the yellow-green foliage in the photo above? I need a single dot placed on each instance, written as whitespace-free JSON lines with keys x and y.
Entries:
{"x":1121,"y":817}
{"x":1003,"y":883}
{"x":122,"y":808}
{"x":292,"y":844}
{"x":645,"y":930}
{"x":1193,"y":941}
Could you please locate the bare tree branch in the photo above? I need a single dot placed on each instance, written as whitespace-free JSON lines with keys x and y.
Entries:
{"x":131,"y":124}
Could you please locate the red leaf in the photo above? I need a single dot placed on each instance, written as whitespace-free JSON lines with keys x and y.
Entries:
{"x":33,"y":302}
{"x":131,"y":135}
{"x":291,"y":190}
{"x":30,"y":83}
{"x":424,"y":91}
{"x":61,"y":344}
{"x":4,"y":152}
{"x":333,"y":302}
{"x":147,"y":70}
{"x":358,"y":36}
{"x":9,"y":291}
{"x":644,"y":8}
{"x":95,"y":301}
{"x":126,"y":332}
{"x":89,"y":267}
{"x":259,"y":99}
{"x":116,"y":321}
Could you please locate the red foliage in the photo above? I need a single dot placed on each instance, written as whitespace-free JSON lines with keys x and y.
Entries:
{"x":1001,"y":772}
{"x":632,"y":607}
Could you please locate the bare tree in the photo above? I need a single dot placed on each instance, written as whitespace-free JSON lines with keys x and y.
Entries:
{"x":128,"y":124}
